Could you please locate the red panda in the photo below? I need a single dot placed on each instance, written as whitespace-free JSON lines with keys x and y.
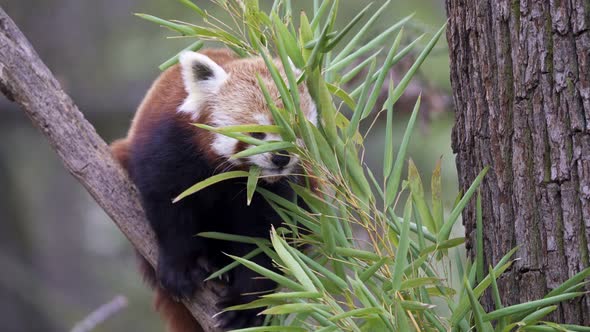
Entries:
{"x":165,"y":154}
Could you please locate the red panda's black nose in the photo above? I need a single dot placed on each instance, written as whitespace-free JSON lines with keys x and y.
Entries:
{"x":281,"y":158}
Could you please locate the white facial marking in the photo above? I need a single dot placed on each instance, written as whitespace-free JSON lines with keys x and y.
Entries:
{"x":225,"y":146}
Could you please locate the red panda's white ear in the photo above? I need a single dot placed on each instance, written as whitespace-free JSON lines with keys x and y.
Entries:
{"x":201,"y":76}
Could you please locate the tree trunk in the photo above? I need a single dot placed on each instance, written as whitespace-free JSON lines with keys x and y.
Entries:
{"x":520,"y":72}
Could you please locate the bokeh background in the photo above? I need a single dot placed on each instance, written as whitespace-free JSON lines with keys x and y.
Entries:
{"x":60,"y":255}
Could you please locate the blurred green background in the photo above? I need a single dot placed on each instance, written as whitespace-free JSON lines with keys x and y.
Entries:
{"x":60,"y":256}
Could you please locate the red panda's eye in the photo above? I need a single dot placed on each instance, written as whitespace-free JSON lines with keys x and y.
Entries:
{"x":259,"y":136}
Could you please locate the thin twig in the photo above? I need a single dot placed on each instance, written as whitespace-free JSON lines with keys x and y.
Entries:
{"x":101,"y":314}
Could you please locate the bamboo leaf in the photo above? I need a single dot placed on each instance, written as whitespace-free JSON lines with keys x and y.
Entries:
{"x":402,"y":250}
{"x":252,"y":182}
{"x":172,"y":61}
{"x":292,"y":265}
{"x":478,"y":312}
{"x":523,"y":307}
{"x":395,"y":173}
{"x":209,"y":182}
{"x":267,"y":147}
{"x":448,"y":226}
{"x":279,"y":279}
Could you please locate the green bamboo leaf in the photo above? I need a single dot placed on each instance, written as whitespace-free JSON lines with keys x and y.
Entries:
{"x":576,"y":279}
{"x":272,"y":329}
{"x":301,"y":120}
{"x":479,"y":237}
{"x":285,"y":128}
{"x":339,"y":62}
{"x":182,"y":29}
{"x":194,"y":7}
{"x":415,"y":305}
{"x":357,"y":253}
{"x":291,"y":308}
{"x":448,"y":226}
{"x":346,"y":29}
{"x":357,"y":38}
{"x":293,"y":295}
{"x":338,"y":92}
{"x":523,"y":307}
{"x":478,"y":312}
{"x":451,"y":243}
{"x":435,"y":291}
{"x":172,"y":61}
{"x":288,"y":41}
{"x":210,"y":181}
{"x":462,"y":307}
{"x":290,"y":263}
{"x":248,"y":128}
{"x":576,"y":328}
{"x":258,"y":303}
{"x":233,"y":265}
{"x":402,"y":320}
{"x":418,"y":198}
{"x":267,"y":147}
{"x":277,"y":79}
{"x":402,"y":250}
{"x":234,"y":238}
{"x":501,"y":324}
{"x":355,"y":120}
{"x":369,"y":272}
{"x":356,"y":70}
{"x":395,"y":173}
{"x":357,"y":313}
{"x":252,"y":182}
{"x":281,"y":201}
{"x":388,"y":153}
{"x":536,"y":316}
{"x":544,"y":328}
{"x":316,"y":53}
{"x":306,"y":268}
{"x":305,"y":35}
{"x":382,"y":74}
{"x":237,"y":135}
{"x":400,"y":55}
{"x":279,"y":279}
{"x":331,"y":276}
{"x":312,"y":200}
{"x":402,"y":85}
{"x":436,"y":192}
{"x":328,"y":329}
{"x":319,"y":14}
{"x":418,"y":282}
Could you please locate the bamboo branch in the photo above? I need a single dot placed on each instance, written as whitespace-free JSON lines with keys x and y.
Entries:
{"x":26,"y":80}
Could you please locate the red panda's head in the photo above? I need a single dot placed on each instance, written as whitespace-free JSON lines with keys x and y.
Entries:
{"x":231,"y":96}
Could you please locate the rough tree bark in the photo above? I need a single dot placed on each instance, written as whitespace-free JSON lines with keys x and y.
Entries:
{"x":25,"y":79}
{"x":520,"y":72}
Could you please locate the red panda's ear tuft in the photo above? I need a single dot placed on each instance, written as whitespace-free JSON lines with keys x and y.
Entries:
{"x":201,"y":76}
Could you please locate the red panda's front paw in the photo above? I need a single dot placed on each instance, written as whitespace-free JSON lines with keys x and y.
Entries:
{"x":180,"y":277}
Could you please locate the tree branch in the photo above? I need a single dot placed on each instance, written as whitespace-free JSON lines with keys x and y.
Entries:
{"x":25,"y":79}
